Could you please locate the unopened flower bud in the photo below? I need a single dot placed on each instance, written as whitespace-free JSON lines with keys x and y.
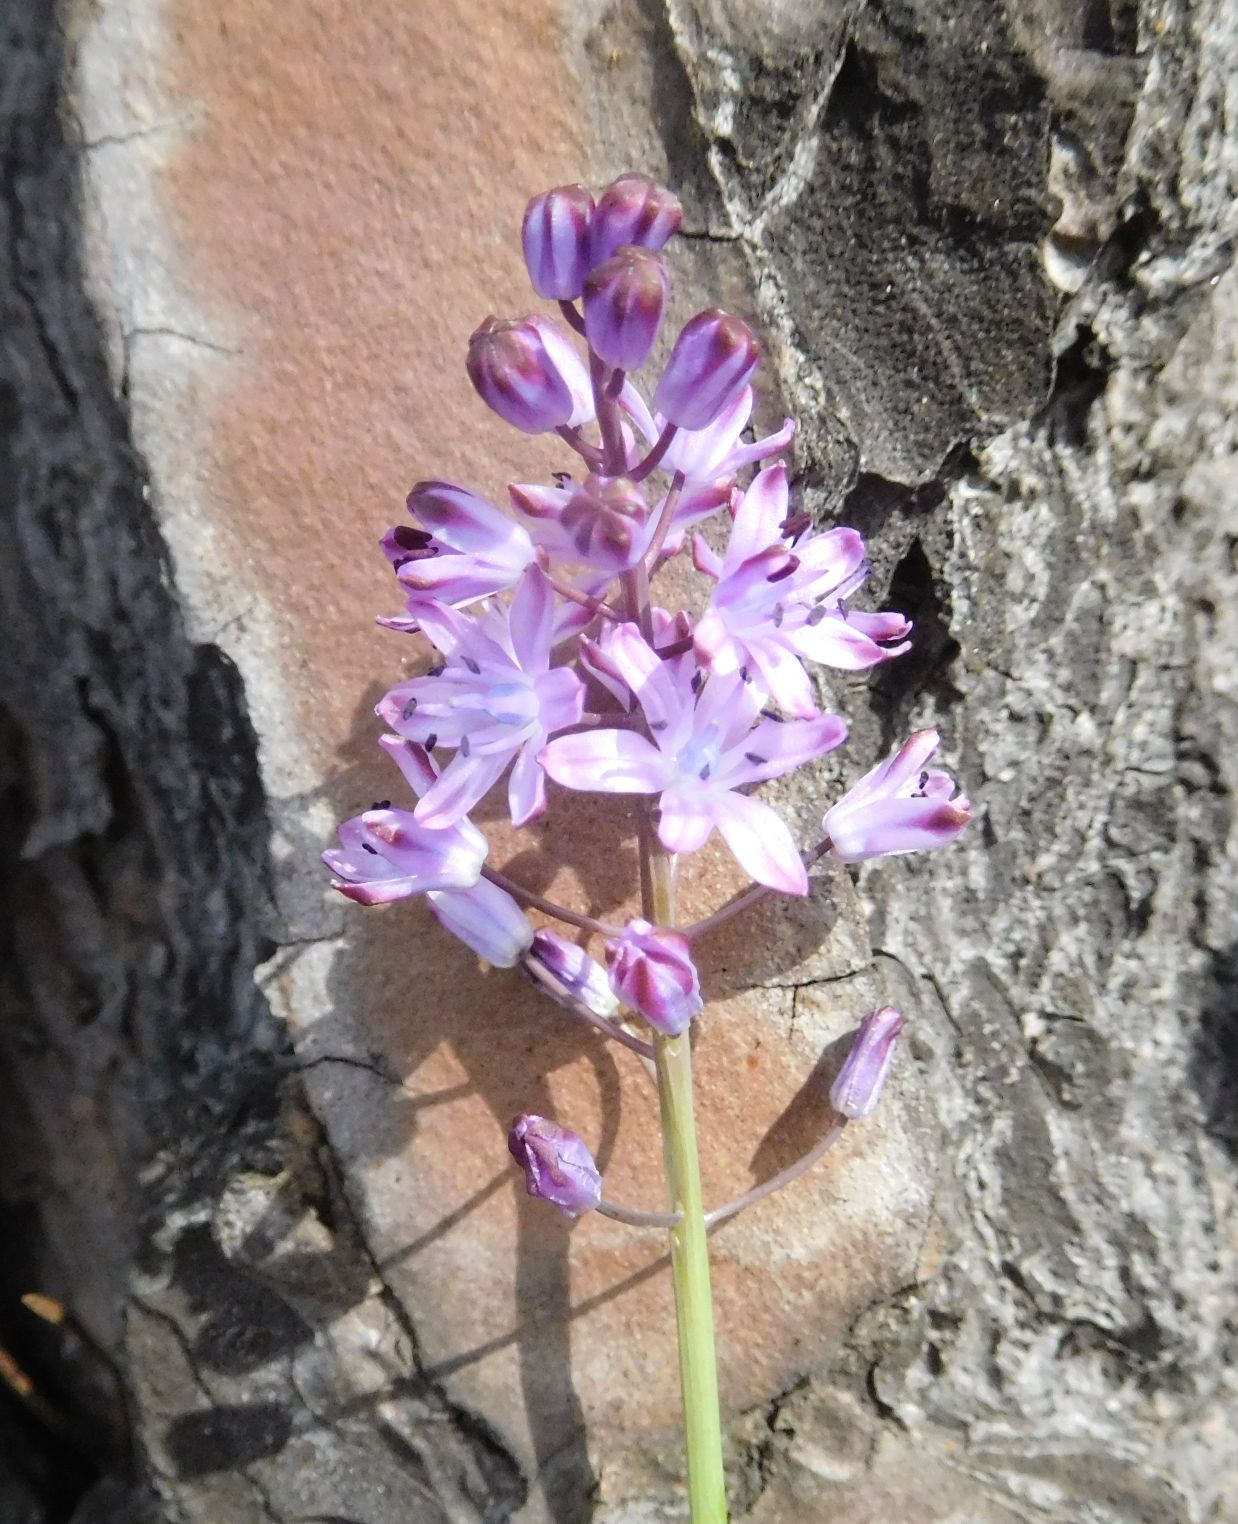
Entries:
{"x":625,"y":300}
{"x":605,"y":520}
{"x":633,"y":209}
{"x":528,"y":372}
{"x":857,"y":1088}
{"x":557,"y":1164}
{"x":651,"y":969}
{"x":579,"y":975}
{"x":485,"y":918}
{"x":556,"y":241}
{"x":712,"y":361}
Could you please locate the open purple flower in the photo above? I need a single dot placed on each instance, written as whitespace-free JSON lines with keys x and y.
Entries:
{"x":557,"y":1164}
{"x":459,"y":547}
{"x":495,"y":699}
{"x":858,"y":1086}
{"x":388,"y":854}
{"x":776,"y":603}
{"x":708,"y":741}
{"x":899,"y":806}
{"x":651,"y":968}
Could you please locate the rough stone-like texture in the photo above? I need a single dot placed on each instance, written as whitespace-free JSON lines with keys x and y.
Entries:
{"x":991,"y":249}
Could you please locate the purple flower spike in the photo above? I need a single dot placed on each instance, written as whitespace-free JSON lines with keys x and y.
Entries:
{"x":462,"y":548}
{"x":637,"y":210}
{"x":900,"y":806}
{"x":557,"y":1164}
{"x":556,"y":241}
{"x":651,"y":969}
{"x":580,"y":975}
{"x":625,"y":301}
{"x":709,"y":739}
{"x":712,"y":362}
{"x":857,"y":1089}
{"x":528,"y":372}
{"x":485,"y":918}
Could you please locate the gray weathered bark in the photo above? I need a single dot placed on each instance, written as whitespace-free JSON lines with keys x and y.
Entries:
{"x":993,"y":246}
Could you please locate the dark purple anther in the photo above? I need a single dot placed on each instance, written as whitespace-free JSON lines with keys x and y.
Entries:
{"x":557,"y":1164}
{"x":713,"y":360}
{"x":556,"y":241}
{"x":633,"y":209}
{"x":625,"y":300}
{"x":858,"y":1086}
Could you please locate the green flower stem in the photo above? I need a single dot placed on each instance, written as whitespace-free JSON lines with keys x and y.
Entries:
{"x":689,"y":1245}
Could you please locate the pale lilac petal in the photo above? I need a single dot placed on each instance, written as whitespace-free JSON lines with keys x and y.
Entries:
{"x":758,"y":519}
{"x":907,"y":763}
{"x":761,"y":842}
{"x":485,"y":918}
{"x":830,"y":559}
{"x":446,"y":627}
{"x":761,"y":449}
{"x":835,"y":642}
{"x":695,"y":505}
{"x":570,"y":366}
{"x":684,"y":824}
{"x":884,"y":627}
{"x":467,"y":522}
{"x":526,"y":788}
{"x":560,"y":698}
{"x":605,"y":762}
{"x":532,"y":620}
{"x":700,"y":453}
{"x":538,"y":501}
{"x":456,"y":579}
{"x":633,"y":404}
{"x":464,"y":781}
{"x":784,"y":677}
{"x":777,"y":746}
{"x":644,"y":671}
{"x":705,"y":558}
{"x":758,"y":574}
{"x":412,"y":760}
{"x":891,"y":827}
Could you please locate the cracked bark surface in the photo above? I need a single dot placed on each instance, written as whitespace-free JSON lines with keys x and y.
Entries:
{"x":993,"y":251}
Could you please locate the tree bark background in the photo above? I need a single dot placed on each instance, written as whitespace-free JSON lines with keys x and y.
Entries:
{"x":992,"y":246}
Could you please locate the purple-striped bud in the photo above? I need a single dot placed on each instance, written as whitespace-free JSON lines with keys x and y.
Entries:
{"x":625,"y":301}
{"x":580,"y":976}
{"x":556,"y":241}
{"x":651,"y":969}
{"x":633,"y":209}
{"x":485,"y":918}
{"x":605,"y":520}
{"x":557,"y":1164}
{"x":528,"y":372}
{"x":712,"y":361}
{"x":857,"y":1088}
